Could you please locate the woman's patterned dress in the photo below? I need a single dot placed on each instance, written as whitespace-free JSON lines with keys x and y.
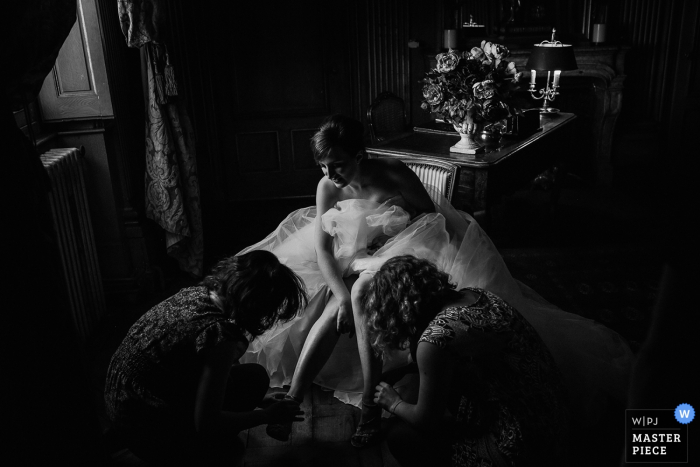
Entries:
{"x":507,"y":395}
{"x":153,"y":376}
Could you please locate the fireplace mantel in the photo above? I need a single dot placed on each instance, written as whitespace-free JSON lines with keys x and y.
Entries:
{"x":605,"y":66}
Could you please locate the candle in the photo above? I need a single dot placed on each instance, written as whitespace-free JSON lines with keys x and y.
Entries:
{"x":533,"y":74}
{"x":598,"y":33}
{"x":556,"y":78}
{"x":450,"y":38}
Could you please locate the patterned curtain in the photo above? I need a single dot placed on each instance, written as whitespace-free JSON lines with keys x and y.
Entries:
{"x":172,"y":186}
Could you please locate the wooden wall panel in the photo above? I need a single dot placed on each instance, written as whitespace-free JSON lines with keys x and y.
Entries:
{"x":301,"y":149}
{"x":283,"y":70}
{"x":268,"y":85}
{"x":386,"y":50}
{"x":684,"y":118}
{"x":651,"y":27}
{"x":258,"y":152}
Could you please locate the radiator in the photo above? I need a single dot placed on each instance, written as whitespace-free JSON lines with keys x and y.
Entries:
{"x":69,"y":208}
{"x":438,"y":177}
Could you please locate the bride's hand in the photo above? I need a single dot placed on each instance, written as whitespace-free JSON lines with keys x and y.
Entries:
{"x":346,"y":322}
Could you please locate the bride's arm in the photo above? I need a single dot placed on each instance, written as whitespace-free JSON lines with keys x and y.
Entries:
{"x":325,"y":199}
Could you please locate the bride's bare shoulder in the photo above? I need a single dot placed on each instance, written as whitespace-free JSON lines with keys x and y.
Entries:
{"x":327,"y":191}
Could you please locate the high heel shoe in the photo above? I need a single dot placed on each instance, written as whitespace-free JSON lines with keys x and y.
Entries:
{"x":281,"y":431}
{"x":369,"y":429}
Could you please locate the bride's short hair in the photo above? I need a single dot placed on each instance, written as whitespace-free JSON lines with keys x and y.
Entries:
{"x":338,"y":131}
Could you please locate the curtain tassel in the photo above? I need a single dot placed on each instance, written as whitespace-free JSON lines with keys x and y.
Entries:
{"x":154,"y":52}
{"x":170,"y":83}
{"x":160,"y":90}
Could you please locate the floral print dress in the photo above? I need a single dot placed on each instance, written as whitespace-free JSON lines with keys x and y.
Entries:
{"x":507,"y":395}
{"x":153,"y":376}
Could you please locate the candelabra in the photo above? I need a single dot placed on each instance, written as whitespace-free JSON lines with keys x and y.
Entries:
{"x":552,"y":57}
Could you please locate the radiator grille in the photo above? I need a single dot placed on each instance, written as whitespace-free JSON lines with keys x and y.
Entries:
{"x":76,"y":242}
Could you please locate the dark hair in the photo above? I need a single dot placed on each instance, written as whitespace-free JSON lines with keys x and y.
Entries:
{"x":338,"y":131}
{"x":401,"y":300}
{"x":257,"y":290}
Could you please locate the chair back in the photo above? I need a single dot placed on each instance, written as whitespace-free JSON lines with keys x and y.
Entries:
{"x":386,"y":117}
{"x":441,"y":175}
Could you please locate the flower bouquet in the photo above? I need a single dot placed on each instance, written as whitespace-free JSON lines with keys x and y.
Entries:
{"x":469,"y":88}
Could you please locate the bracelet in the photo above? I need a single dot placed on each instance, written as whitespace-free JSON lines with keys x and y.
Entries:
{"x":392,"y":409}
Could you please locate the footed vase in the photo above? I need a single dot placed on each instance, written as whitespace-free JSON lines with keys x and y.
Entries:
{"x":466,"y":144}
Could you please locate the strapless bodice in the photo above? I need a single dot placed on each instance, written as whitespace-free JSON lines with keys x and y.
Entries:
{"x":355,"y":224}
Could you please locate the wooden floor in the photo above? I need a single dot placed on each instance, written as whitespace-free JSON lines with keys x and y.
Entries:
{"x":322,"y":439}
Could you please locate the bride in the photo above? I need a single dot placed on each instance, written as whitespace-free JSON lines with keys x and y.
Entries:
{"x":369,"y":210}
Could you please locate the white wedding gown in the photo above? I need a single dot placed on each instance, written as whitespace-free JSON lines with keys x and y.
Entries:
{"x":594,"y":360}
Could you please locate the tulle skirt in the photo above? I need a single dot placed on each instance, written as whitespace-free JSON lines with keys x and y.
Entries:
{"x":595,"y":362}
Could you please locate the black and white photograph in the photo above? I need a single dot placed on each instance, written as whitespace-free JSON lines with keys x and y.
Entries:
{"x":358,"y":233}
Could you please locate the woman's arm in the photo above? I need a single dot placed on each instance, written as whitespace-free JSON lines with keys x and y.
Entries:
{"x":325,"y":199}
{"x":435,"y":368}
{"x":410,"y":186}
{"x":208,"y":413}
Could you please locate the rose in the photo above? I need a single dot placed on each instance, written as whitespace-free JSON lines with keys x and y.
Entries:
{"x":488,"y":49}
{"x":474,"y":54}
{"x":473,"y":68}
{"x":447,"y":62}
{"x":457,"y":109}
{"x":499,"y":52}
{"x":494,"y":110}
{"x":433,"y":94}
{"x":484,"y":89}
{"x":511,"y":70}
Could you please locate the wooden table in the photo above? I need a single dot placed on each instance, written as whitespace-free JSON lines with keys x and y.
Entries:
{"x":485,"y":177}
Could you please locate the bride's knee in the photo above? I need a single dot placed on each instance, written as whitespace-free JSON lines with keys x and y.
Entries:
{"x":358,"y":291}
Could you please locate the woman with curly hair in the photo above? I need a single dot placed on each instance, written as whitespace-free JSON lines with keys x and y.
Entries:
{"x":489,"y":392}
{"x":175,"y":391}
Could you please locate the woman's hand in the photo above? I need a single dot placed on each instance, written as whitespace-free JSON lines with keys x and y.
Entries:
{"x":385,"y":395}
{"x":284,"y":411}
{"x":271,"y":398}
{"x":346,"y":321}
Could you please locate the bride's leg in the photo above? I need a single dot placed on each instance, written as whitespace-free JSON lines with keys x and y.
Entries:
{"x":371,"y":364}
{"x":317,"y":348}
{"x":313,"y":311}
{"x":370,"y":419}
